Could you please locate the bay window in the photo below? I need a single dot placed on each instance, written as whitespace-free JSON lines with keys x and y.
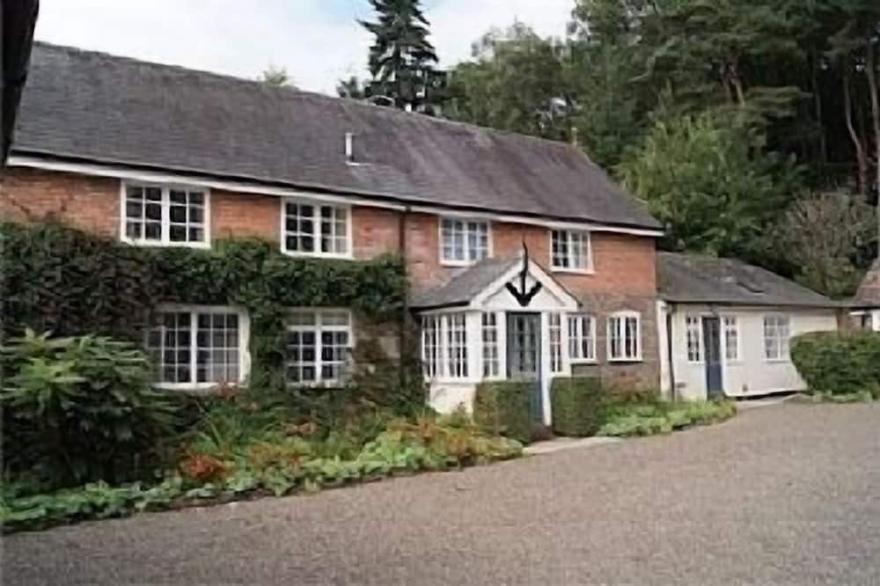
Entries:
{"x":445,"y":346}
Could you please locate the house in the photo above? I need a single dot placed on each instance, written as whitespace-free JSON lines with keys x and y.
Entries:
{"x":525,"y":260}
{"x":725,"y":327}
{"x":17,"y":22}
{"x":866,"y":304}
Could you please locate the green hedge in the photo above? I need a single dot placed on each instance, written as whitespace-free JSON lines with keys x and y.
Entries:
{"x":503,"y":408}
{"x":838,"y":362}
{"x":577,"y":406}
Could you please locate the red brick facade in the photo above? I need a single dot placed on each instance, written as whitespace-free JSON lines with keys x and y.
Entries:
{"x":624,"y":275}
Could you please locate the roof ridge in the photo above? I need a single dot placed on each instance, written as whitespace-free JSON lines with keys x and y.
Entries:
{"x":402,"y":114}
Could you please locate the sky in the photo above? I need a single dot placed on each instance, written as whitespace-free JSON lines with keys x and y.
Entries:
{"x":319,"y":42}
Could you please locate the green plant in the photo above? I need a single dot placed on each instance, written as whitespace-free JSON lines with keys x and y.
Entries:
{"x":577,"y":405}
{"x":838,"y":362}
{"x":502,"y":408}
{"x":659,"y":417}
{"x":80,"y":409}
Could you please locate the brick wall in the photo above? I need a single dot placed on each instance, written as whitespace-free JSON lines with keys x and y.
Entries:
{"x":624,"y":277}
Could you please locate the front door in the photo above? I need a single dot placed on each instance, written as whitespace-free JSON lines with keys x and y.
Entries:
{"x":524,"y":356}
{"x":712,"y":344}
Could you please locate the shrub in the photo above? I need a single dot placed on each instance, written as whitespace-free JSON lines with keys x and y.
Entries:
{"x":577,"y":406}
{"x":80,"y":409}
{"x":659,"y":417}
{"x":838,"y":362}
{"x":502,"y":408}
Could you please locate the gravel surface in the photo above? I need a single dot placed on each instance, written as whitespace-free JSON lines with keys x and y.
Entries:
{"x":788,"y":494}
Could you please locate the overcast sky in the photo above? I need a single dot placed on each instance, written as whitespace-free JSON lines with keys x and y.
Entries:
{"x":317,"y":41}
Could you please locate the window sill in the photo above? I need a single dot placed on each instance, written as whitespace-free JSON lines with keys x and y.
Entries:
{"x":578,"y":361}
{"x":777,"y":361}
{"x":565,"y":271}
{"x":153,"y":244}
{"x":625,"y":360}
{"x":458,"y":264}
{"x":200,"y":388}
{"x":347,"y":256}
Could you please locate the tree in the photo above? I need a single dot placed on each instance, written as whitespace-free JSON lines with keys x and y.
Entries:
{"x":707,"y":180}
{"x":401,"y":59}
{"x":352,"y":88}
{"x":822,"y":235}
{"x":276,"y":77}
{"x":515,"y":83}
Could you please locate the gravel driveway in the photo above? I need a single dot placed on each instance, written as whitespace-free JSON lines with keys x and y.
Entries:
{"x":788,"y":494}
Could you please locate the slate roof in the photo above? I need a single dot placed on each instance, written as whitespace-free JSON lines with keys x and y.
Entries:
{"x":686,"y":278}
{"x":868,"y":294}
{"x":464,"y":286}
{"x":101,"y":108}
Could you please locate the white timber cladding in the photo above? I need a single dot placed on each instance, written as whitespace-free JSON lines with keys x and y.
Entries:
{"x":317,"y":346}
{"x":747,"y":335}
{"x":125,"y":173}
{"x":199,"y":347}
{"x":154,"y":214}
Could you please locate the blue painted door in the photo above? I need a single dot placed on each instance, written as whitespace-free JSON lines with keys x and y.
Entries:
{"x":712,"y":345}
{"x":524,"y":357}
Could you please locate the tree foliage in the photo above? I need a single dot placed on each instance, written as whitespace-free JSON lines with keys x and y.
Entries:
{"x":401,"y":59}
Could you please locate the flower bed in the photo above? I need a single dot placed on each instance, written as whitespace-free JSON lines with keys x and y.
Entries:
{"x":640,"y":419}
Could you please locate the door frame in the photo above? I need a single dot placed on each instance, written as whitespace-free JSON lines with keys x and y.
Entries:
{"x":537,"y":411}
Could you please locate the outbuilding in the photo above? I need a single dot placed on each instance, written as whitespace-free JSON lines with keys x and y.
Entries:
{"x":726,"y":326}
{"x":866,"y":304}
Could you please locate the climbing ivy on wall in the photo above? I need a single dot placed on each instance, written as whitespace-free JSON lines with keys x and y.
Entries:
{"x":56,"y":278}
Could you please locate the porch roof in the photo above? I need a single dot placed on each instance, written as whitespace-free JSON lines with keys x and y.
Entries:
{"x":464,"y":286}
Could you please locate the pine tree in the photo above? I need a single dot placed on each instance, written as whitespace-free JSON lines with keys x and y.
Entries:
{"x":401,"y":58}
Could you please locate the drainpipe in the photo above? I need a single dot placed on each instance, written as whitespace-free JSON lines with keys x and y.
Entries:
{"x":402,"y":335}
{"x":669,"y":354}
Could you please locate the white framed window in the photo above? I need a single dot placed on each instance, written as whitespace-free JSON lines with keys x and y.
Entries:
{"x":777,"y":331}
{"x":582,"y":338}
{"x":445,"y":346}
{"x":491,"y":362}
{"x":315,"y":229}
{"x":456,"y":346}
{"x":571,"y":250}
{"x":731,"y":338}
{"x":317,"y":345}
{"x":199,"y":347}
{"x":624,"y":337}
{"x":163,"y":215}
{"x":554,"y":324}
{"x":463,"y":241}
{"x":694,"y":328}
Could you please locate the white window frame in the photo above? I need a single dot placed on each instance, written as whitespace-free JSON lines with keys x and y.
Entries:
{"x":569,"y":235}
{"x":451,"y":262}
{"x":577,"y":337}
{"x":555,"y":342}
{"x":491,"y":349}
{"x":243,"y":345}
{"x":318,"y":225}
{"x":782,"y":344}
{"x":445,"y":358}
{"x":730,"y":324}
{"x":165,"y":239}
{"x":318,"y":328}
{"x":621,"y":317}
{"x":694,"y":338}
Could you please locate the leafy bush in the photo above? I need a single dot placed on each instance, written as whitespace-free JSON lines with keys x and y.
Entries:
{"x":502,"y":408}
{"x":843,"y":363}
{"x":659,"y":417}
{"x":80,"y":409}
{"x":267,"y":462}
{"x":577,"y":406}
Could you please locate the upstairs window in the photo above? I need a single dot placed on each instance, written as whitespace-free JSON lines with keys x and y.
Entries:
{"x":164,"y":216}
{"x":624,"y":337}
{"x":463,"y":241}
{"x":582,"y":338}
{"x":198,"y":346}
{"x":312,"y":229}
{"x":777,"y":331}
{"x":571,"y":250}
{"x":317,"y":345}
